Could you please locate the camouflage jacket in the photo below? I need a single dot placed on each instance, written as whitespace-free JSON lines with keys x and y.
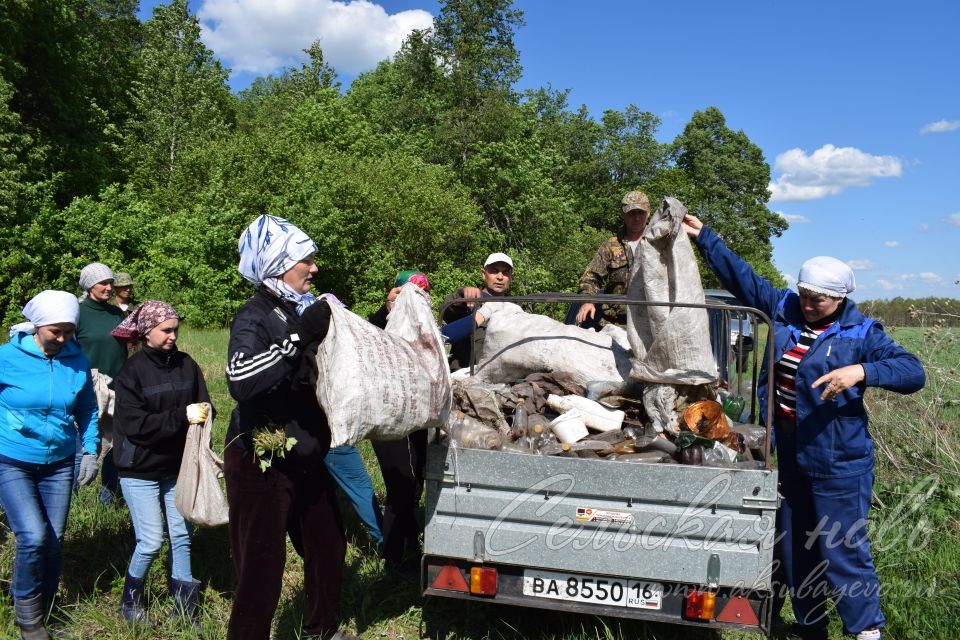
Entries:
{"x":609,"y":272}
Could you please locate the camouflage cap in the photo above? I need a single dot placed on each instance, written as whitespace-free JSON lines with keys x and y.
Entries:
{"x":122,"y":279}
{"x":635,"y":200}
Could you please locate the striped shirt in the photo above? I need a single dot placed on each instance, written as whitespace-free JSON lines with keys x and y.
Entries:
{"x":785,"y":379}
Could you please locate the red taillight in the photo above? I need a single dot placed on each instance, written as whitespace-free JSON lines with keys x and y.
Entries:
{"x":483,"y":581}
{"x":700,"y":605}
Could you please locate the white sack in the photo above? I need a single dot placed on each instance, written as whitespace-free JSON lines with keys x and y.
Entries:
{"x":517,"y":344}
{"x":671,"y":345}
{"x":383,"y":384}
{"x":199,"y":497}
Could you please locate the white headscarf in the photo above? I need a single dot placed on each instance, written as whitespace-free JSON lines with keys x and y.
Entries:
{"x":827,"y":276}
{"x":48,"y":307}
{"x":270,"y":247}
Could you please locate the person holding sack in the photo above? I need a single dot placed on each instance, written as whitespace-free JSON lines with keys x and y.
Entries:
{"x":277,"y":483}
{"x":46,"y":388}
{"x":159,"y":396}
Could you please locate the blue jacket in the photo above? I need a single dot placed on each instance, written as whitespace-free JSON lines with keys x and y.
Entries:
{"x":831,"y":439}
{"x":41,"y":397}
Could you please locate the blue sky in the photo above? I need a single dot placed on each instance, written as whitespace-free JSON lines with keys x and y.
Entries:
{"x":856,"y":105}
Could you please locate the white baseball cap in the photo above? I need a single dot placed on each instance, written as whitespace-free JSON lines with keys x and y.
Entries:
{"x":498,"y":257}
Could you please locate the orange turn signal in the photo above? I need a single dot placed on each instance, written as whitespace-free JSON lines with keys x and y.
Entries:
{"x":700,"y":605}
{"x":483,"y":581}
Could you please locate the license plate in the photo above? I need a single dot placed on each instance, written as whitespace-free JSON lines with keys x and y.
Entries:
{"x":575,"y":587}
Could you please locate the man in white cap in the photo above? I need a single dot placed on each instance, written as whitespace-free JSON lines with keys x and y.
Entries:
{"x":497,"y":275}
{"x":826,"y":352}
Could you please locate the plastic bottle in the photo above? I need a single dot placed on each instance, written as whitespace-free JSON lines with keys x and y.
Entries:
{"x":538,"y":438}
{"x":594,"y":414}
{"x":466,"y":431}
{"x":519,"y":429}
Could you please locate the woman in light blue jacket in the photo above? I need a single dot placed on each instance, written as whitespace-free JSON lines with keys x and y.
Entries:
{"x":45,"y":389}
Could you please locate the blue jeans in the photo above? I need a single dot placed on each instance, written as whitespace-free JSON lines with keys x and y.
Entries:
{"x":36,"y":499}
{"x":346,"y":467}
{"x":148,"y":502}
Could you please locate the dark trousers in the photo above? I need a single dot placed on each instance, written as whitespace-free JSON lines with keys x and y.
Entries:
{"x":825,"y":550}
{"x":264,"y":508}
{"x":401,"y":463}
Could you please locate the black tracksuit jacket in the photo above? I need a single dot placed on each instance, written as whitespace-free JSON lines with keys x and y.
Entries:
{"x":150,"y":416}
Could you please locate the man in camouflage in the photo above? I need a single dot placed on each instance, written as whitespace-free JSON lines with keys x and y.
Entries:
{"x":609,"y":271}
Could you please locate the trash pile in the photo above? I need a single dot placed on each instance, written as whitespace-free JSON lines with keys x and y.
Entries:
{"x":552,"y":414}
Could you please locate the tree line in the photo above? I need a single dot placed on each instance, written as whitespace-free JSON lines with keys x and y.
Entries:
{"x":120,"y":141}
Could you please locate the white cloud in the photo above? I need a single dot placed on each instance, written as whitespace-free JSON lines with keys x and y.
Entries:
{"x":928,"y":277}
{"x":954,"y":219}
{"x":924,"y":226}
{"x":886,"y":285}
{"x":861,"y":265}
{"x":940,"y":126}
{"x":263,"y":36}
{"x":793,"y":218}
{"x":828,"y":171}
{"x":791,"y":280}
{"x":892,"y":244}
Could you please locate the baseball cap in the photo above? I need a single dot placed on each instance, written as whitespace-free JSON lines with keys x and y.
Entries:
{"x":635,"y":200}
{"x":498,"y":257}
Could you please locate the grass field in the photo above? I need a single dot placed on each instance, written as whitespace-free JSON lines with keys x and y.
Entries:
{"x":915,"y":525}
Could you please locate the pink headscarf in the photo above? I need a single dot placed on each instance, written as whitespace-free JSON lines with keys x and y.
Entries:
{"x":138,"y":324}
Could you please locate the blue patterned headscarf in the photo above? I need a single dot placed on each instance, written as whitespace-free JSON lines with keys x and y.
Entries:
{"x":270,"y":247}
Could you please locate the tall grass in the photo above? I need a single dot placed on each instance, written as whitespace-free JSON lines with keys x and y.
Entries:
{"x":914,"y":525}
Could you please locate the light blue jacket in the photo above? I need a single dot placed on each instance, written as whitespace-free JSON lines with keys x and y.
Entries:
{"x":831,"y":438}
{"x":41,"y":397}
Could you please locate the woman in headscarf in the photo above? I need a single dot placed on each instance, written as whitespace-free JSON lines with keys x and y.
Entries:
{"x":826,"y":352}
{"x":277,"y":483}
{"x":97,"y":319}
{"x":159,"y":393}
{"x":45,"y":390}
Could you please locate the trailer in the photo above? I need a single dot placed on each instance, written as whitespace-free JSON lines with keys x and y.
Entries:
{"x":661,"y":542}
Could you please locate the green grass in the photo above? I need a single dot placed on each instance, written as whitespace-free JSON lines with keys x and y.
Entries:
{"x":915,"y":523}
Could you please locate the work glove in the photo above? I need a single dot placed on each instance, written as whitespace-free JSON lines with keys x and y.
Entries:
{"x":314,"y":324}
{"x":197,"y":412}
{"x":88,"y":469}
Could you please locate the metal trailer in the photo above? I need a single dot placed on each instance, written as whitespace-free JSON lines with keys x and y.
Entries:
{"x":661,"y":542}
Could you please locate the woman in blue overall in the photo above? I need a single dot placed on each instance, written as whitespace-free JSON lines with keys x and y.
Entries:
{"x":826,"y":352}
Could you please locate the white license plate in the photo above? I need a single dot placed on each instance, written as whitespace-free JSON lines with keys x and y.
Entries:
{"x":574,"y":587}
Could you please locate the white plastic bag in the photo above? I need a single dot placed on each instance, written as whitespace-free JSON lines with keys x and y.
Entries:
{"x":517,"y":344}
{"x":199,"y":497}
{"x":383,"y":384}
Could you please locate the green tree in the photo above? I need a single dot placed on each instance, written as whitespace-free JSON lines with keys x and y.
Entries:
{"x":727,"y":188}
{"x":181,"y":99}
{"x":69,"y":63}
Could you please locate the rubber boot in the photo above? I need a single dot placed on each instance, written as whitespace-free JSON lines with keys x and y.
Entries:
{"x":184,"y":595}
{"x":131,"y":602}
{"x":29,"y":614}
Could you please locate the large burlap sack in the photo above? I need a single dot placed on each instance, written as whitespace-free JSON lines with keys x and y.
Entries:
{"x":383,"y":384}
{"x":671,"y":345}
{"x":199,"y":497}
{"x":519,"y":343}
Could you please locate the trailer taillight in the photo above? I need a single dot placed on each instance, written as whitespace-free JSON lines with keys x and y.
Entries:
{"x":483,"y":581}
{"x":700,"y":605}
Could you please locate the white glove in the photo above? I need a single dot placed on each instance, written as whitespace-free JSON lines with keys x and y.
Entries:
{"x":197,"y":412}
{"x":88,"y":469}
